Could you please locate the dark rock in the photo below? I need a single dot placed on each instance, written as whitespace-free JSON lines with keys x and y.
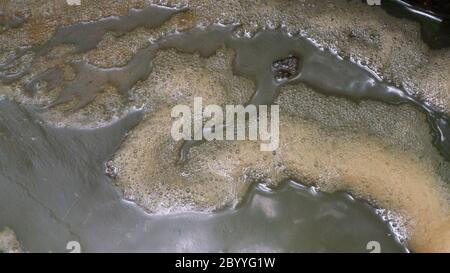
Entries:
{"x":286,"y":68}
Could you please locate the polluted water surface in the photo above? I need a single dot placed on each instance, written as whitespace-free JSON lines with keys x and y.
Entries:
{"x":342,"y":128}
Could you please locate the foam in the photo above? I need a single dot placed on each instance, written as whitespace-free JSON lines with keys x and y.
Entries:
{"x":218,"y":174}
{"x":326,"y":72}
{"x":8,"y":242}
{"x":378,"y":152}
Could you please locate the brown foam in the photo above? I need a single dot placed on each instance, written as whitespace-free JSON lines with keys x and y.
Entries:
{"x":377,"y":152}
{"x":219,"y":173}
{"x":359,"y":163}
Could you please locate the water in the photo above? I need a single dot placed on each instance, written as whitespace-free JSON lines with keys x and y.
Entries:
{"x":435,"y":25}
{"x":56,"y":177}
{"x":325,"y":72}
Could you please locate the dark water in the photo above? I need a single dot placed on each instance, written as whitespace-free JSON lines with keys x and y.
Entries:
{"x":53,"y":189}
{"x":434,"y":19}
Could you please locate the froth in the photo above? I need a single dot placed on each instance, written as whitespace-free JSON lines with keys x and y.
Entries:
{"x":367,"y":154}
{"x":8,"y":242}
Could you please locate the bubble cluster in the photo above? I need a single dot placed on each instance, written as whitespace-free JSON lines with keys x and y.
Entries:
{"x":378,"y":152}
{"x":8,"y":242}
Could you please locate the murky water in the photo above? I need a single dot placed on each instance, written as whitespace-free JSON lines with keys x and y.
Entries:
{"x":331,"y":136}
{"x":435,"y":25}
{"x":56,"y":179}
{"x":325,"y":72}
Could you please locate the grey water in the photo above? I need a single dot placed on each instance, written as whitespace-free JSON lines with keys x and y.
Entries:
{"x":86,"y":35}
{"x":54,"y":178}
{"x":8,"y":21}
{"x":435,"y":27}
{"x":322,"y":70}
{"x":54,"y":190}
